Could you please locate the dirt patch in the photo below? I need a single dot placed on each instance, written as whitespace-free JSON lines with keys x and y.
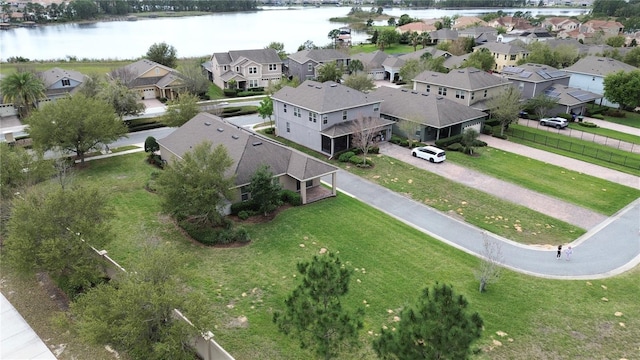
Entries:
{"x":53,"y":291}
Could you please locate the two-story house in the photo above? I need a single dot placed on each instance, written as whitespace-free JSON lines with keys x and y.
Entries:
{"x":320,"y":116}
{"x":432,"y":116}
{"x":393,"y":64}
{"x":304,"y":64}
{"x":481,"y":34}
{"x":504,"y":54}
{"x":150,"y":79}
{"x":245,"y":68}
{"x":464,"y":22}
{"x":558,"y":23}
{"x":535,"y":79}
{"x":608,"y":28}
{"x":589,"y":72}
{"x":468,"y":86}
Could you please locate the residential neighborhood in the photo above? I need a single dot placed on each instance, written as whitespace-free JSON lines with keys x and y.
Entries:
{"x":329,"y":200}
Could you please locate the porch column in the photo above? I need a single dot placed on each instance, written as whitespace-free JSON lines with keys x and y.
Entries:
{"x":333,"y":183}
{"x":303,"y":192}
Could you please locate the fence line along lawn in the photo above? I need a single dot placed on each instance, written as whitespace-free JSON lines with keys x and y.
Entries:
{"x":593,"y":193}
{"x":611,"y":134}
{"x":392,"y":263}
{"x":635,"y":158}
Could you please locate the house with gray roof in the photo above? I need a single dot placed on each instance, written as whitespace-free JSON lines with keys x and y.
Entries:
{"x":250,"y":151}
{"x":433,"y":116}
{"x":443,"y":35}
{"x":321,"y":116}
{"x":150,"y":79}
{"x":372,"y":63}
{"x":504,"y":54}
{"x":304,"y":64}
{"x":536,"y":79}
{"x":246,"y":69}
{"x":481,"y":34}
{"x":588,"y":74}
{"x":468,"y":86}
{"x":393,"y":64}
{"x":59,"y":83}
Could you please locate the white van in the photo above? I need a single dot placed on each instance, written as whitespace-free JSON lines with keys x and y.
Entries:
{"x":431,"y":153}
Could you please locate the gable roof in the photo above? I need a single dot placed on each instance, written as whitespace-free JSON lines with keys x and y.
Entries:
{"x":249,"y":151}
{"x":570,"y":96}
{"x":427,"y":109}
{"x":601,"y":25}
{"x":467,"y":78}
{"x":322,"y":97}
{"x":444,"y":34}
{"x":143,"y":66}
{"x":372,"y":60}
{"x":260,"y":56}
{"x":533,"y":73}
{"x":598,"y":66}
{"x":317,"y":55}
{"x":53,"y":75}
{"x":502,"y":48}
{"x":416,"y":27}
{"x":467,"y":21}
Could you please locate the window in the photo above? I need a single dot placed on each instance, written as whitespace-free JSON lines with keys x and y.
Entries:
{"x":376,"y":107}
{"x":288,"y":127}
{"x":344,"y":115}
{"x":505,"y":56}
{"x":512,"y":58}
{"x":473,"y":95}
{"x":253,"y":70}
{"x":313,"y":116}
{"x":237,"y":68}
{"x":66,"y":82}
{"x":442,"y":91}
{"x":285,"y":108}
{"x":309,"y":67}
{"x":253,"y":83}
{"x":485,"y":93}
{"x":296,"y":112}
{"x":325,"y":119}
{"x":428,"y":89}
{"x":273,"y":67}
{"x":244,"y":193}
{"x":224,"y":68}
{"x":459,"y":94}
{"x":521,"y":85}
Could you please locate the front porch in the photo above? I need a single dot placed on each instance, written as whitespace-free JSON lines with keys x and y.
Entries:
{"x":319,"y":192}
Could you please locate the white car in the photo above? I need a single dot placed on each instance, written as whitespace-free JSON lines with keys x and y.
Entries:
{"x":556,"y":122}
{"x":431,"y":153}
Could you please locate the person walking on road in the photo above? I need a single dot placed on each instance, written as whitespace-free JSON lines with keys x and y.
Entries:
{"x":559,"y":254}
{"x":568,"y":252}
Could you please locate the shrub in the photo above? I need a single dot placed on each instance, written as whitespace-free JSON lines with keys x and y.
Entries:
{"x":291,"y":197}
{"x":478,"y":143}
{"x":374,"y":150}
{"x":443,"y":143}
{"x":499,"y":136}
{"x":248,"y":206}
{"x":243,"y":215}
{"x":155,"y":159}
{"x":395,"y":139}
{"x":241,"y":235}
{"x":270,"y":130}
{"x":492,"y":122}
{"x":404,"y":143}
{"x":230,"y":92}
{"x":588,"y":124}
{"x":487,"y":129}
{"x":455,"y":147}
{"x":615,"y":113}
{"x":357,"y":160}
{"x":598,"y":116}
{"x":224,"y":237}
{"x":205,"y":236}
{"x":567,"y":117}
{"x":344,"y":157}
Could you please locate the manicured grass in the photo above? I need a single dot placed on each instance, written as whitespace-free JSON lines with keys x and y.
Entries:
{"x":100,"y":67}
{"x":613,"y":134}
{"x":632,"y":159}
{"x":583,"y":190}
{"x":392,"y":49}
{"x":392,"y":263}
{"x":630,"y":119}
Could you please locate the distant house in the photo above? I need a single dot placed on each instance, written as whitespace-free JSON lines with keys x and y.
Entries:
{"x":247,"y":68}
{"x":434,"y":116}
{"x":393,"y":64}
{"x":481,"y":34}
{"x":304,"y":64}
{"x":536,"y":79}
{"x":418,"y":27}
{"x":443,"y":36}
{"x":150,"y":79}
{"x":468,"y":86}
{"x":464,"y":22}
{"x":589,"y":72}
{"x":534,"y":35}
{"x":557,"y":24}
{"x":59,"y":83}
{"x":504,"y":54}
{"x":320,"y":116}
{"x":608,"y":28}
{"x":372,"y":63}
{"x":510,"y":23}
{"x":249,"y":151}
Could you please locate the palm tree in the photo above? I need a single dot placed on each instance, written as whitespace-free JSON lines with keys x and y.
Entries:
{"x":24,"y":89}
{"x":414,"y":39}
{"x":333,"y":35}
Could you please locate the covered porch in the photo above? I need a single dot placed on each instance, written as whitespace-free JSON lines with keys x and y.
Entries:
{"x":338,"y":137}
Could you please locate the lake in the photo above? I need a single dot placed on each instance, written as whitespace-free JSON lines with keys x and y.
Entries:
{"x":202,"y":35}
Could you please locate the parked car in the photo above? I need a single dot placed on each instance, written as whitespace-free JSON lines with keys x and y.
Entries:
{"x":523,"y":114}
{"x":556,"y":122}
{"x":431,"y":153}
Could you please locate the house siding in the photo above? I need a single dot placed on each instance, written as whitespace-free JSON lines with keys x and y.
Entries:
{"x":592,"y":83}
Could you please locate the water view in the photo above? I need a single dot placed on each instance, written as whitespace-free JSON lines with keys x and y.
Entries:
{"x":201,"y":35}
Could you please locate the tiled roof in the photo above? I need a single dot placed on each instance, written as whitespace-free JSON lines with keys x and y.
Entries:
{"x":249,"y":151}
{"x":427,"y":109}
{"x":470,"y":79}
{"x":322,"y":97}
{"x":599,"y":66}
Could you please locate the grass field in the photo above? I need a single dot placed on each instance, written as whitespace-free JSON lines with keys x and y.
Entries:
{"x":580,"y":189}
{"x":613,"y":134}
{"x":99,"y":67}
{"x":545,"y":319}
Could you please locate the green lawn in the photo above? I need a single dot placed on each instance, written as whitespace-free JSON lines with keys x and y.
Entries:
{"x":613,"y":134}
{"x":631,"y":158}
{"x":630,"y":119}
{"x":392,"y":262}
{"x":99,"y":67}
{"x":392,"y":49}
{"x":583,"y":190}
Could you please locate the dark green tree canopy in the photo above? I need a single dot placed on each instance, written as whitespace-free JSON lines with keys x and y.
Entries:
{"x":151,"y":145}
{"x":360,"y":81}
{"x":480,"y":60}
{"x":314,"y":312}
{"x":163,"y":53}
{"x":265,"y":190}
{"x":330,"y":72}
{"x":437,"y":326}
{"x":181,"y":110}
{"x":279,"y":48}
{"x":123,"y":100}
{"x":623,"y":88}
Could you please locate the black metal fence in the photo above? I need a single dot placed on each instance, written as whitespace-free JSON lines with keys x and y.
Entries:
{"x":567,"y":145}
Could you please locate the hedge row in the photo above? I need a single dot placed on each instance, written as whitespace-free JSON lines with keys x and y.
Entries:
{"x":218,"y":236}
{"x":250,"y":208}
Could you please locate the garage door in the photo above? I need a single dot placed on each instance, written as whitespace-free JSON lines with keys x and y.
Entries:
{"x":149,"y":93}
{"x":477,"y":127}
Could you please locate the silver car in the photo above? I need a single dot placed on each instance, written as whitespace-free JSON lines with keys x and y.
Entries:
{"x":556,"y":122}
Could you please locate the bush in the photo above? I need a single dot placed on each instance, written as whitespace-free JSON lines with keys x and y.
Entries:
{"x":270,"y":130}
{"x":374,"y":150}
{"x":250,"y":93}
{"x":344,"y":157}
{"x":588,"y":124}
{"x":497,"y":135}
{"x":492,"y":122}
{"x":615,"y":113}
{"x":404,"y":143}
{"x":598,"y":116}
{"x":443,"y":143}
{"x":487,"y":129}
{"x":230,"y":92}
{"x":565,"y":116}
{"x":291,"y":197}
{"x":199,"y":234}
{"x":244,"y":215}
{"x":358,"y":161}
{"x":455,"y":147}
{"x":395,"y":139}
{"x":478,"y":143}
{"x":155,"y":159}
{"x":224,"y":237}
{"x":241,"y":235}
{"x":248,"y":206}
